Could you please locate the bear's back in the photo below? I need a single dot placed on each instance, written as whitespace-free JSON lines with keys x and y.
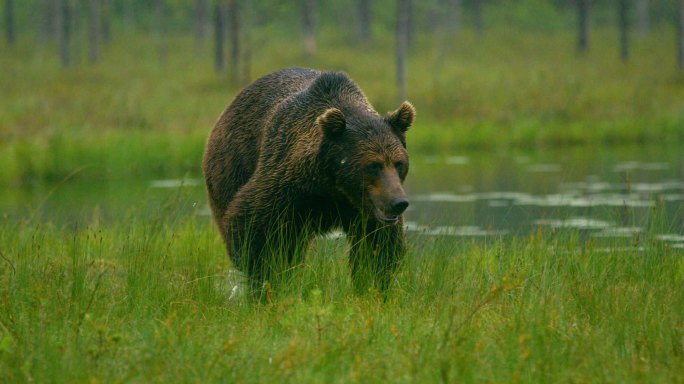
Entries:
{"x":233,"y":147}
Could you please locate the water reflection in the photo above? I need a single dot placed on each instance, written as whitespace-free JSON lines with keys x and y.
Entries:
{"x":504,"y":199}
{"x":617,"y":194}
{"x":575,"y":222}
{"x":447,"y":230}
{"x":637,"y":165}
{"x":175,"y":183}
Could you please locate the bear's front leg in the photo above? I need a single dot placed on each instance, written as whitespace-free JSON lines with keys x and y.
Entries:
{"x":376,"y":250}
{"x":264,"y":246}
{"x":245,"y":245}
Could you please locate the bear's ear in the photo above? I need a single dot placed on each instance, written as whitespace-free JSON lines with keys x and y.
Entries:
{"x":332,"y":122}
{"x":401,"y":119}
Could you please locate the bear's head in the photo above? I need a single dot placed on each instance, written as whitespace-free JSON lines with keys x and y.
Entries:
{"x":366,"y":156}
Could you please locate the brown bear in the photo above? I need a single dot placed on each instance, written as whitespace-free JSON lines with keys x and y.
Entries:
{"x":299,"y":153}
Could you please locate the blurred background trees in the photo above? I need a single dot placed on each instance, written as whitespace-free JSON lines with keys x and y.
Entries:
{"x":9,"y":21}
{"x":482,"y":73}
{"x":680,"y":35}
{"x":356,"y":20}
{"x":80,"y":30}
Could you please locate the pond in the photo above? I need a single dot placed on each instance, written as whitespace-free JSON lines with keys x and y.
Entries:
{"x":604,"y":193}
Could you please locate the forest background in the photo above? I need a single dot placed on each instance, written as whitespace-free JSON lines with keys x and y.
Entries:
{"x":481,"y":73}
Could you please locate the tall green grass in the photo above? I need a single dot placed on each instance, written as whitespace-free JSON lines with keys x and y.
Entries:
{"x":147,"y":300}
{"x":106,"y":156}
{"x":147,"y":297}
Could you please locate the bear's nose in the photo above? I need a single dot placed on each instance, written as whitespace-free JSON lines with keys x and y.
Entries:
{"x":398,"y":206}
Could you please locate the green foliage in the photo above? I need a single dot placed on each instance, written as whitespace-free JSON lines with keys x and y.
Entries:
{"x":147,"y":299}
{"x":539,"y":16}
{"x":130,"y":115}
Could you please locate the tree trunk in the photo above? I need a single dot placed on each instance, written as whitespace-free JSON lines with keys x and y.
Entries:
{"x":403,"y":9}
{"x":479,"y":17}
{"x":9,"y":22}
{"x":128,"y":11}
{"x":219,"y":61}
{"x":48,"y":21}
{"x":64,"y":31}
{"x":365,"y":10}
{"x":623,"y":17}
{"x":78,"y":37}
{"x":106,"y":22}
{"x":234,"y":22}
{"x":643,"y":17}
{"x":583,"y":25}
{"x":247,"y":12}
{"x":410,"y":24}
{"x":308,"y":23}
{"x":201,"y":11}
{"x":246,"y":75}
{"x":453,"y":17}
{"x":448,"y":23}
{"x":435,"y":18}
{"x":161,"y":30}
{"x":680,"y":35}
{"x":93,"y":30}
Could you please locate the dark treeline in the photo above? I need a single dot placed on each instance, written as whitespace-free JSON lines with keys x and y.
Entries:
{"x":232,"y":22}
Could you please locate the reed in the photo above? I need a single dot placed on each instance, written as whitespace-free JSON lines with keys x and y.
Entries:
{"x":149,"y":299}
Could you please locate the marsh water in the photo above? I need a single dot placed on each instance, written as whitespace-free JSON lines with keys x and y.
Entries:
{"x":616,"y":195}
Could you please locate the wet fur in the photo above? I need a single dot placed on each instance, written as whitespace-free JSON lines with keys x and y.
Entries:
{"x":278,"y":172}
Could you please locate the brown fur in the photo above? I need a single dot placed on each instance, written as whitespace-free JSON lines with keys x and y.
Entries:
{"x":301,"y":152}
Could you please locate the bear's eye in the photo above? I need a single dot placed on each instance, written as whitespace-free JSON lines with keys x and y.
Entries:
{"x":400,"y":166}
{"x":373,"y":168}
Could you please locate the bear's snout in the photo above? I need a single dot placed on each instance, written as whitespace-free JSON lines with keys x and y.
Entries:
{"x":398,"y":205}
{"x":388,"y":197}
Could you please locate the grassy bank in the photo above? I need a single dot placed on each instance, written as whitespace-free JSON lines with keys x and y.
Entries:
{"x":147,"y":300}
{"x":508,"y":89}
{"x":106,"y":156}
